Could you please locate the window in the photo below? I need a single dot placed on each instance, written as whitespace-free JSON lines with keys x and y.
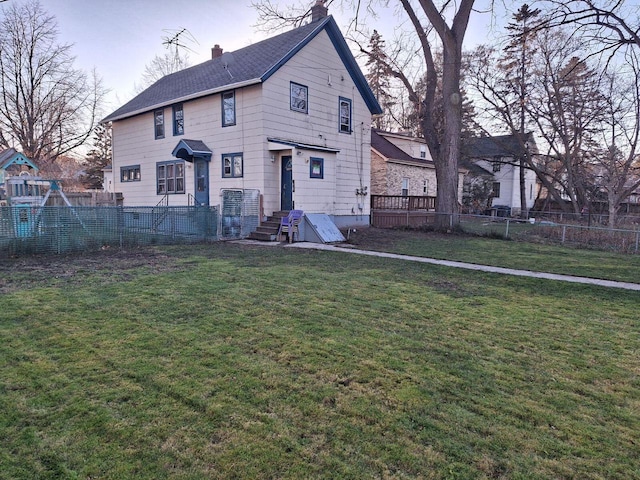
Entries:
{"x":170,"y":177}
{"x":158,"y":118}
{"x":405,"y":187}
{"x":425,"y":187}
{"x":232,"y":165}
{"x":299,"y":97}
{"x":423,"y":151}
{"x":345,"y":115}
{"x":130,"y":173}
{"x":228,"y":109}
{"x":316,"y":167}
{"x":178,"y":119}
{"x":496,"y":166}
{"x":495,"y":191}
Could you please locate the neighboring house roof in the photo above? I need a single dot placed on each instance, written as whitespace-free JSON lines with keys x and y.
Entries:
{"x":11,"y":156}
{"x":247,"y":66}
{"x":496,"y":146}
{"x":391,"y":152}
{"x":474,"y":169}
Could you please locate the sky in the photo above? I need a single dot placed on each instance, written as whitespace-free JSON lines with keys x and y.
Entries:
{"x":119,"y":37}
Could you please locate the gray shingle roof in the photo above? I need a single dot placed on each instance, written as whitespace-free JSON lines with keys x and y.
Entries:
{"x":496,"y":146}
{"x":254,"y":63}
{"x":391,"y":151}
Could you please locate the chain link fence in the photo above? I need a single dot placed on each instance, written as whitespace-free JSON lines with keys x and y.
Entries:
{"x":27,"y":229}
{"x":623,"y":240}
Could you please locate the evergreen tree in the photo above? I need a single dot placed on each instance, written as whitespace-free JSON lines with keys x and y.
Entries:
{"x":516,"y":64}
{"x":98,"y":157}
{"x":379,"y":78}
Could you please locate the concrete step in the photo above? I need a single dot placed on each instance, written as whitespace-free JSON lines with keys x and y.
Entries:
{"x":265,"y":237}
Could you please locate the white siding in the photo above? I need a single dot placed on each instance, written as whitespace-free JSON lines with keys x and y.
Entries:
{"x":327,"y":81}
{"x":263,"y":111}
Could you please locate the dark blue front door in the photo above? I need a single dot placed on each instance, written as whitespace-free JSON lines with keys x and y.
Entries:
{"x":286,"y":193}
{"x":202,"y":182}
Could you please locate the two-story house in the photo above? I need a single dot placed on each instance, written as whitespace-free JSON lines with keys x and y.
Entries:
{"x":289,"y":116}
{"x":499,"y":156}
{"x":401,"y":165}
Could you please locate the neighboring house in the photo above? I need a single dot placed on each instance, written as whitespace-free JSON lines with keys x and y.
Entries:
{"x":402,"y":165}
{"x":498,"y":155}
{"x":289,"y":116}
{"x":12,"y":164}
{"x":107,"y":179}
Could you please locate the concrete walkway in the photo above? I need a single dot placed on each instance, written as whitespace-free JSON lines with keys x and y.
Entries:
{"x":468,"y":266}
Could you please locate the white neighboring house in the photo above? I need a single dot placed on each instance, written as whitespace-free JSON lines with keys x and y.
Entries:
{"x":402,"y":165}
{"x":289,"y":116}
{"x":499,"y":156}
{"x":108,"y":179}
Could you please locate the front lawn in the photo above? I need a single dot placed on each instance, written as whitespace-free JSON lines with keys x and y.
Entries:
{"x":521,"y":255}
{"x":227,"y":361}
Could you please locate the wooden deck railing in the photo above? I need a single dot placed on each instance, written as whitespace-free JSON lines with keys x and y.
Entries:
{"x":396,"y":210}
{"x":404,"y":203}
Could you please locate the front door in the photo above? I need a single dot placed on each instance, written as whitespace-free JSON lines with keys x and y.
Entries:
{"x":286,"y":193}
{"x":202,"y":182}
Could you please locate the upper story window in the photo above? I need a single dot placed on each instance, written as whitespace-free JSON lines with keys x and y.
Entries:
{"x":345,"y":115}
{"x":299,"y":98}
{"x":423,"y":151}
{"x":170,"y":177}
{"x":232,"y":164}
{"x":158,"y":120}
{"x":178,"y":119}
{"x":130,"y":173}
{"x":228,"y":109}
{"x":496,"y":166}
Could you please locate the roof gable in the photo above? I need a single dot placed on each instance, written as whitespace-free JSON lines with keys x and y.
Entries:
{"x":246,"y":66}
{"x":390,"y":151}
{"x":12,"y":157}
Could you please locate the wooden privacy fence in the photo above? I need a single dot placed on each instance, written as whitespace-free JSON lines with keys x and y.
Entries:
{"x":389,"y":211}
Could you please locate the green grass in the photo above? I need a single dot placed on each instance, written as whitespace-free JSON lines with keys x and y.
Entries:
{"x":224,"y":361}
{"x":503,"y":253}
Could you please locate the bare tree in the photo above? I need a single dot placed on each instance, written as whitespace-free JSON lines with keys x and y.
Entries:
{"x":47,"y":108}
{"x":610,"y":24}
{"x":160,"y":66}
{"x":176,"y":58}
{"x":563,"y":107}
{"x":618,"y":165}
{"x":445,"y":24}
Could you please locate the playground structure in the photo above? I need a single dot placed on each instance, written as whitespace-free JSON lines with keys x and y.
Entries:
{"x":27,"y":195}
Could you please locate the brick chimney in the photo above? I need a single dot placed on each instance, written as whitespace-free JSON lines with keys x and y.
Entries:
{"x":216,"y":51}
{"x":319,"y":11}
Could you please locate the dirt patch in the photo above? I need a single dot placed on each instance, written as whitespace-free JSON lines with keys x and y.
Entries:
{"x":48,"y":270}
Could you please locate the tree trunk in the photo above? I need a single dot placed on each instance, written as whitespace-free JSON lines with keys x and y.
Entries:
{"x":447,"y":163}
{"x":523,"y":191}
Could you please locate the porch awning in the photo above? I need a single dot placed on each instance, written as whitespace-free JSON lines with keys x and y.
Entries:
{"x":190,"y":149}
{"x":299,"y":146}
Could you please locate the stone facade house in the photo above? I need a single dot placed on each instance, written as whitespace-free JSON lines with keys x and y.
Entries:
{"x":402,"y":165}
